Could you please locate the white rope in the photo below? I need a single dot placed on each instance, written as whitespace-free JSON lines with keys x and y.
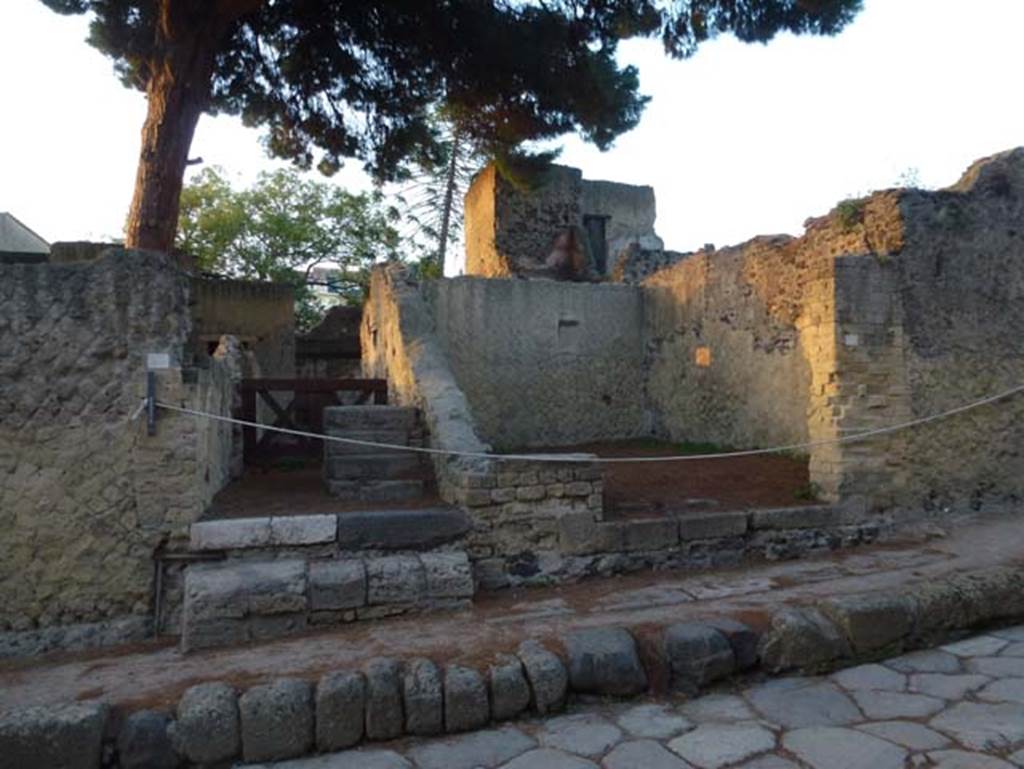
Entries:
{"x":607,"y":460}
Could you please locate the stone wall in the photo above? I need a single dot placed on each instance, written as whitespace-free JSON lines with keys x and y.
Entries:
{"x":544,"y":363}
{"x":511,"y":230}
{"x":893,"y":307}
{"x":260,"y":315}
{"x":86,"y":497}
{"x":936,"y":319}
{"x":515,"y":505}
{"x":629,"y":211}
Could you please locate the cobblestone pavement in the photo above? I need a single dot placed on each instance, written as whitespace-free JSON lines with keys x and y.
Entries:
{"x":960,"y":706}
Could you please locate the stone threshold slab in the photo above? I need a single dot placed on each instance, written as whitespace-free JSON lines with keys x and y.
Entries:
{"x":158,"y":674}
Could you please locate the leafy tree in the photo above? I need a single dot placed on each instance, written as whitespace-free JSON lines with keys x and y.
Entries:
{"x":281,"y":228}
{"x":357,"y":79}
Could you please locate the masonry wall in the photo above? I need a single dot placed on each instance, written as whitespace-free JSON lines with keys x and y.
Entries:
{"x":630,"y":211}
{"x":260,"y":315}
{"x":86,"y":497}
{"x":938,"y":324}
{"x":544,"y":363}
{"x":734,"y":336}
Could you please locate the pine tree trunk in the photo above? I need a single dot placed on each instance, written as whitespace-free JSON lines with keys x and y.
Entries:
{"x":187,"y":36}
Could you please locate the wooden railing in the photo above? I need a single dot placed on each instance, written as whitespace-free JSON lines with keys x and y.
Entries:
{"x":305,"y":411}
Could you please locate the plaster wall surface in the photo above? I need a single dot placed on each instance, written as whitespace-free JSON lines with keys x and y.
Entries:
{"x":260,"y":315}
{"x":85,"y":495}
{"x":630,"y":211}
{"x":543,"y":362}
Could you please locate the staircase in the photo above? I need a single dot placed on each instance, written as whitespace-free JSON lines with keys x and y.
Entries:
{"x":372,"y":474}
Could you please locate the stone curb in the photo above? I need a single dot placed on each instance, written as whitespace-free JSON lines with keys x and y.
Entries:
{"x":388,"y":697}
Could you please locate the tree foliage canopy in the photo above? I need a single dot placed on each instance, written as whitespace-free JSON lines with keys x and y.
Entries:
{"x":281,"y":228}
{"x":357,"y":79}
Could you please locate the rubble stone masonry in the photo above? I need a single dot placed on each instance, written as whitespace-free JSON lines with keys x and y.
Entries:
{"x":86,"y":497}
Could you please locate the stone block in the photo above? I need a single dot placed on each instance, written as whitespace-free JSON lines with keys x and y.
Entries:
{"x":650,"y":534}
{"x":295,"y":530}
{"x":340,"y":708}
{"x":229,"y":534}
{"x":578,"y":489}
{"x":604,"y":661}
{"x":465,"y":699}
{"x":871,"y":622}
{"x":337,"y":584}
{"x":547,"y":677}
{"x":270,"y":626}
{"x":386,"y":466}
{"x":503,"y":495}
{"x":712,"y":525}
{"x":490,"y":574}
{"x":277,"y":720}
{"x":578,"y":534}
{"x":448,"y":575}
{"x":401,"y":529}
{"x":475,"y":497}
{"x":816,"y":517}
{"x":144,"y":742}
{"x":801,"y":638}
{"x":510,"y":693}
{"x":395,"y":579}
{"x":531,"y":493}
{"x":64,"y":736}
{"x":697,"y":654}
{"x":741,"y":638}
{"x":341,"y":419}
{"x":207,"y":729}
{"x":206,"y":633}
{"x":383,"y":699}
{"x":423,"y":695}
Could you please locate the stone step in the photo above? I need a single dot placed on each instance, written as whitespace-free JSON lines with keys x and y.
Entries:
{"x":371,"y":418}
{"x":241,"y":601}
{"x":379,"y":467}
{"x":378,"y":491}
{"x":380,"y":529}
{"x":390,"y":437}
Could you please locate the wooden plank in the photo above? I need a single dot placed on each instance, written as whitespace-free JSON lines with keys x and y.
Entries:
{"x":314,"y":385}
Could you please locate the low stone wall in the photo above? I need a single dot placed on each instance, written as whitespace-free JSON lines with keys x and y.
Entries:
{"x":215,"y":723}
{"x":86,"y":497}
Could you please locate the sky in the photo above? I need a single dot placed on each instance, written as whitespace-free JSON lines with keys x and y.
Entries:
{"x":737,"y":141}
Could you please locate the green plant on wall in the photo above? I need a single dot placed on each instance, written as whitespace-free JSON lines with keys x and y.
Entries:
{"x":850,"y":212}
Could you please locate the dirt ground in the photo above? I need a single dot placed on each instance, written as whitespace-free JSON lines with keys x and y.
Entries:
{"x":631,"y":490}
{"x":293,"y":490}
{"x":700,"y":485}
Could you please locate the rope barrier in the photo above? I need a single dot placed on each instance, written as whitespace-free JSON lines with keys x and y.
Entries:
{"x":562,"y":458}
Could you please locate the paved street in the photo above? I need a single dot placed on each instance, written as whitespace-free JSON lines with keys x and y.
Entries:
{"x":957,"y":707}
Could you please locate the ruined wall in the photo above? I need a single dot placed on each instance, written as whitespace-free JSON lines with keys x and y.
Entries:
{"x":85,"y":495}
{"x":260,"y":315}
{"x":728,"y":363}
{"x":630,"y":211}
{"x":331,"y":349}
{"x":959,"y":278}
{"x":893,"y":307}
{"x":544,"y":363}
{"x":510,"y":230}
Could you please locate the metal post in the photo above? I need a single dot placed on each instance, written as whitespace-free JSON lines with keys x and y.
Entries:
{"x":151,"y":402}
